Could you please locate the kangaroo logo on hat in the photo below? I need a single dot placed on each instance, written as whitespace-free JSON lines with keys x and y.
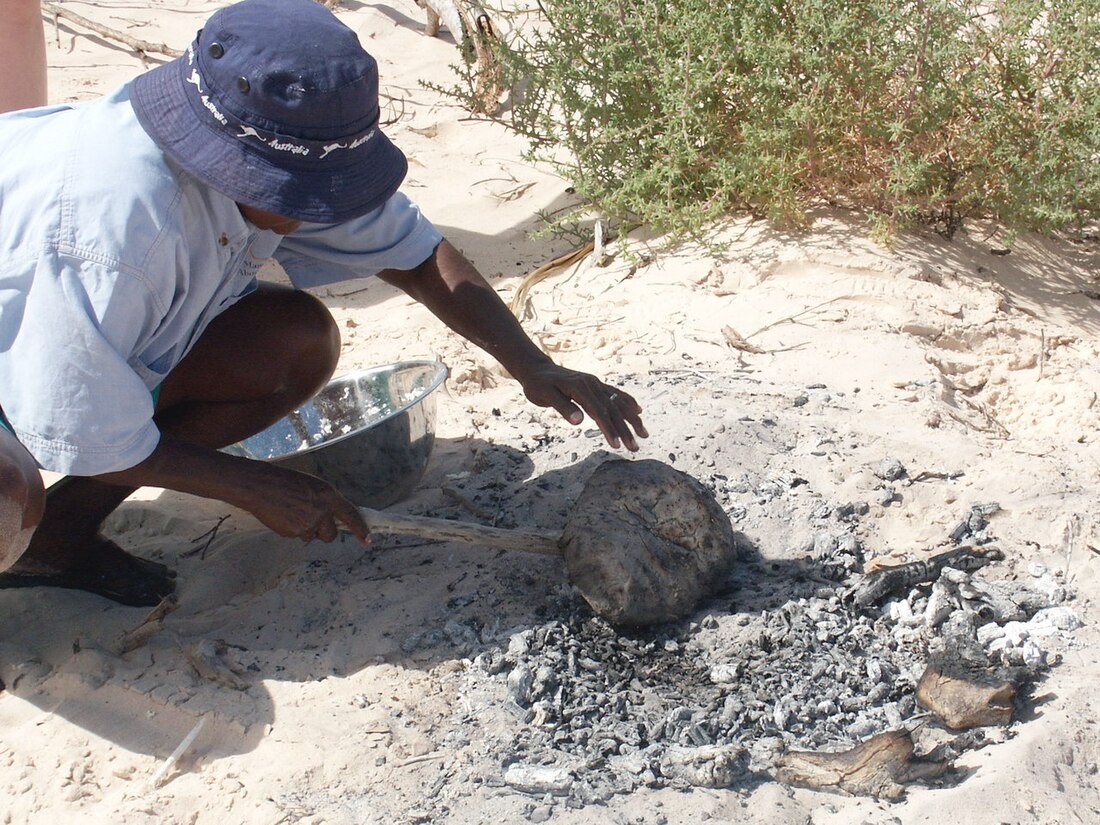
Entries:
{"x":275,"y":104}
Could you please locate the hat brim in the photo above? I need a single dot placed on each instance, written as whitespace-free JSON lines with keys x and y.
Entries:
{"x":315,"y":193}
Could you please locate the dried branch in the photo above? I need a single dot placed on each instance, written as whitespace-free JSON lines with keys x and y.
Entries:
{"x":140,"y":46}
{"x":880,"y":767}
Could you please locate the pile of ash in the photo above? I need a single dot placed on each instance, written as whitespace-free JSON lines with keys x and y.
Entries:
{"x":794,"y":661}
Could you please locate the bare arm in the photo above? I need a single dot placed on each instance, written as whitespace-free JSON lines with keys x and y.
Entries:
{"x":288,"y":502}
{"x":456,"y":293}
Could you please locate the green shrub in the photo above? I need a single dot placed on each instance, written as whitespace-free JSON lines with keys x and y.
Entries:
{"x":677,"y":112}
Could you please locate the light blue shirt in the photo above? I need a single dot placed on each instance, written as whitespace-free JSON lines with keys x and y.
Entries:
{"x":112,"y":263}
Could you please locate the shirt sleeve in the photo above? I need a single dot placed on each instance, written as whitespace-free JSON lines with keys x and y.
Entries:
{"x":394,"y":236}
{"x":72,"y":398}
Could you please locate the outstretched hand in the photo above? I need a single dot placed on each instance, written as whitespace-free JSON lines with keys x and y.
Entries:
{"x":452,"y":288}
{"x":570,"y":392}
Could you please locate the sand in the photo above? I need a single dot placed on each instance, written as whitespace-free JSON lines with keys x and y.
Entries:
{"x":976,"y":369}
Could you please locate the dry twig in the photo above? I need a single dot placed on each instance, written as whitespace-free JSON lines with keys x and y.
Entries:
{"x":148,"y":628}
{"x":140,"y":46}
{"x":544,"y":272}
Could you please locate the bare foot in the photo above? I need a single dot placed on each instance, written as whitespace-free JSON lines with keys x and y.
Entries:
{"x":102,"y":568}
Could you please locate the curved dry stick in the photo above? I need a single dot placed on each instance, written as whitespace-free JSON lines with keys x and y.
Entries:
{"x":140,"y":46}
{"x":545,"y":271}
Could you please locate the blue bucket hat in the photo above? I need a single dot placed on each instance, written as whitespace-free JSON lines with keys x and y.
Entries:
{"x":275,"y":104}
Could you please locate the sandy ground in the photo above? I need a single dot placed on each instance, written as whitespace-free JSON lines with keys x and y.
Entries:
{"x":978,"y":369}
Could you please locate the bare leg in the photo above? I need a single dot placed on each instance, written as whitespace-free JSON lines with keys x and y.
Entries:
{"x":256,"y":362}
{"x":22,"y":56}
{"x":22,"y":499}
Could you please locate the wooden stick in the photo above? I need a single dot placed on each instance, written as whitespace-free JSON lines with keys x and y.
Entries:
{"x":528,"y":541}
{"x":545,"y":271}
{"x":176,"y":754}
{"x":140,"y":46}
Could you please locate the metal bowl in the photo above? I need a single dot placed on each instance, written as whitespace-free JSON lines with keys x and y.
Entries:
{"x":369,"y":434}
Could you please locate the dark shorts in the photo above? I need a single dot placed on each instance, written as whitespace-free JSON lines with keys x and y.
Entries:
{"x":155,"y":392}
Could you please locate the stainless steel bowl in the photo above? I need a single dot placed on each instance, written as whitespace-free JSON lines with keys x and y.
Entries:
{"x":369,"y":434}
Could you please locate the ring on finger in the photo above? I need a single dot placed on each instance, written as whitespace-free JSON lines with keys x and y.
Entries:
{"x":613,"y":396}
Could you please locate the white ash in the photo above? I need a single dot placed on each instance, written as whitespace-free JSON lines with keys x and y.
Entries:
{"x":781,"y":659}
{"x":705,"y":703}
{"x":539,"y":779}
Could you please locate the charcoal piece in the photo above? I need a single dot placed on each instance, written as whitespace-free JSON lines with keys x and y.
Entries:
{"x":1003,"y":601}
{"x":539,"y":779}
{"x":520,"y":680}
{"x":544,"y":682}
{"x":877,"y":585}
{"x":709,"y":766}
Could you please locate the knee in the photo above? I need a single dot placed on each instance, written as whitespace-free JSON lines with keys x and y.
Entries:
{"x":22,"y":503}
{"x":314,"y":339}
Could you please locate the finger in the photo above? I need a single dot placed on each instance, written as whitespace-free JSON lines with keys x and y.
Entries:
{"x":635,"y":421}
{"x":565,"y":407}
{"x":628,"y":421}
{"x":605,"y":415}
{"x":617,"y":413}
{"x":348,"y":514}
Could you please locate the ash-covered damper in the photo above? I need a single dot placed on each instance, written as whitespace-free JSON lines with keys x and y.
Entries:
{"x":812,"y":669}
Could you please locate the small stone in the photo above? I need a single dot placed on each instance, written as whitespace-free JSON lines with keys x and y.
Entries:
{"x":540,"y":813}
{"x":1037,"y":569}
{"x":800,"y":400}
{"x":885,"y":496}
{"x":890,"y":469}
